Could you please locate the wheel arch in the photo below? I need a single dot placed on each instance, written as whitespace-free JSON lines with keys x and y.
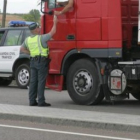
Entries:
{"x":70,"y":58}
{"x":73,"y":56}
{"x":23,"y":58}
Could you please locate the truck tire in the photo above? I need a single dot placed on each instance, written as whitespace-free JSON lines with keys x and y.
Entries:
{"x":83,"y":83}
{"x":22,"y":76}
{"x":5,"y":82}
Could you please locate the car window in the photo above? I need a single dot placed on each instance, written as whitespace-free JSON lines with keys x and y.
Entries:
{"x":1,"y":35}
{"x":13,"y":38}
{"x":20,"y":41}
{"x":27,"y":33}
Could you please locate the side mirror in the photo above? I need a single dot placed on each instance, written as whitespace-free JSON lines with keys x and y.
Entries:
{"x":42,"y":7}
{"x":51,"y":4}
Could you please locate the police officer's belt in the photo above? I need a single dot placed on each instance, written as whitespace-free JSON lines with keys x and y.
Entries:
{"x":36,"y":58}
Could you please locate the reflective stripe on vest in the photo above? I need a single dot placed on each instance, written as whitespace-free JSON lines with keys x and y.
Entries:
{"x":35,"y":47}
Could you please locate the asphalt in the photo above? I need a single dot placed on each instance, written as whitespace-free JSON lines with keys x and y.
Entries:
{"x":91,"y":119}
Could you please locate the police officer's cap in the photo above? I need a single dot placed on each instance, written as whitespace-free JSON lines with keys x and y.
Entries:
{"x":33,"y":26}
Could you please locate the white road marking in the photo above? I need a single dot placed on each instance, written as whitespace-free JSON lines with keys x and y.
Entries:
{"x":65,"y":132}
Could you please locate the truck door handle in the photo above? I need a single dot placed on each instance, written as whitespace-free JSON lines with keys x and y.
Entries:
{"x":70,"y":37}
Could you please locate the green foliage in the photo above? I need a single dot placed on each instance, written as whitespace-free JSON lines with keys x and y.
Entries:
{"x":34,"y":15}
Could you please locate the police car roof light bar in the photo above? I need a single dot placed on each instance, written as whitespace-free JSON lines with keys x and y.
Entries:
{"x":15,"y":23}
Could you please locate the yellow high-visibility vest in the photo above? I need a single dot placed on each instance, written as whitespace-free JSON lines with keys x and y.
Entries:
{"x":35,"y":47}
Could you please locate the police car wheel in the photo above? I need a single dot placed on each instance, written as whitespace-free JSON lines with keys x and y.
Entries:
{"x":83,"y":83}
{"x":23,"y":76}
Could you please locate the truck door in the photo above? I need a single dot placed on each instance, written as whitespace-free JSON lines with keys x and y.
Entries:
{"x":9,"y":50}
{"x":65,"y":38}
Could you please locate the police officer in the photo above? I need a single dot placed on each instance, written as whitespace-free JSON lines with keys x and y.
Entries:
{"x":36,"y":46}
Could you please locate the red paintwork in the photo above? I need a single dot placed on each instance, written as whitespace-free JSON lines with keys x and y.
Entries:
{"x":95,"y":24}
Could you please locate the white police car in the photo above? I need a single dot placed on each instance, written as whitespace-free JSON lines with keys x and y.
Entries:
{"x":13,"y":64}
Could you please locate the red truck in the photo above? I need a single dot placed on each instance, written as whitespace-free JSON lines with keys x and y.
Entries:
{"x":95,"y":52}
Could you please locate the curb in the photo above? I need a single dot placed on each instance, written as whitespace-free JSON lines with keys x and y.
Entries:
{"x":71,"y":122}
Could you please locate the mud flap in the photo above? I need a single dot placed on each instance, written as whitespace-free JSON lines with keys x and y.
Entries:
{"x":104,"y":79}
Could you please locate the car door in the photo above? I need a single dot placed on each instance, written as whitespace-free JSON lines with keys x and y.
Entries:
{"x":10,"y":49}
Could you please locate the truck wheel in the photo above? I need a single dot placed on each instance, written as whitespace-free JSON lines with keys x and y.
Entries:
{"x":83,"y":83}
{"x":5,"y":82}
{"x":23,"y":76}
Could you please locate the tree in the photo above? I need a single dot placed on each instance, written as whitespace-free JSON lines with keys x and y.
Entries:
{"x":34,"y":15}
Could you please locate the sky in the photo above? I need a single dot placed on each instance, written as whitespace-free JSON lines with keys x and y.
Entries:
{"x":20,"y":6}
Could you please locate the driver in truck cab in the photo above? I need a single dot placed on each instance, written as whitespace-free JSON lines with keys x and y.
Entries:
{"x":68,"y":6}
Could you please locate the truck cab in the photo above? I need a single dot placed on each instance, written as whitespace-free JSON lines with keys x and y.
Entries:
{"x":90,"y":52}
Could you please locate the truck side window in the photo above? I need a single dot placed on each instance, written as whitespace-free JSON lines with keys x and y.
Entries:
{"x":57,"y":3}
{"x":13,"y":38}
{"x":60,"y":3}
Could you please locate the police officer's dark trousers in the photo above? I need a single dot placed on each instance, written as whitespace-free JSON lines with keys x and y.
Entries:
{"x":39,"y":71}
